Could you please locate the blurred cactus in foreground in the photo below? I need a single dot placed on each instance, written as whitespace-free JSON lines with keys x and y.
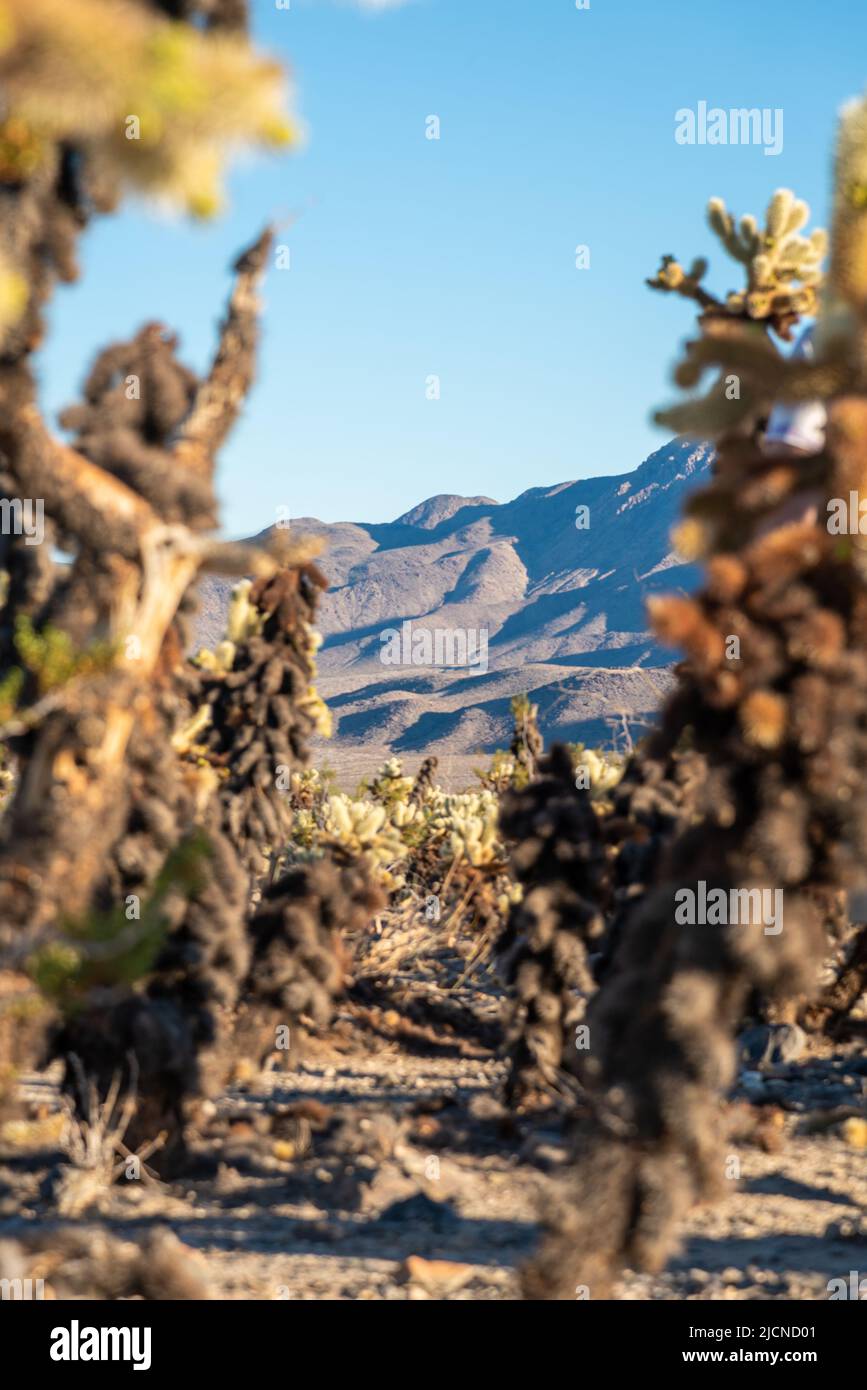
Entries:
{"x":155,"y":105}
{"x":772,"y":698}
{"x":147,"y":802}
{"x":784,"y":279}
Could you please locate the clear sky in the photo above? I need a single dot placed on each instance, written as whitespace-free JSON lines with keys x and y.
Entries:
{"x":413,"y":257}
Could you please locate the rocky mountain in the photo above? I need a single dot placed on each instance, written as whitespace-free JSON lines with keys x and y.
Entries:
{"x":543,"y":594}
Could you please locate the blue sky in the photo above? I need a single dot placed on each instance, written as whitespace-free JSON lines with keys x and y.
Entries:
{"x":413,"y":257}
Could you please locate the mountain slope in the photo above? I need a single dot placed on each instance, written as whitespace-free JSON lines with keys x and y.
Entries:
{"x":559,"y":606}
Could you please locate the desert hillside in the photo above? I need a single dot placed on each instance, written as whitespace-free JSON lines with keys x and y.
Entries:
{"x":558,"y":591}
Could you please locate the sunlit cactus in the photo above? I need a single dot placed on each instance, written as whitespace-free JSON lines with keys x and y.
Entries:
{"x":783,"y":268}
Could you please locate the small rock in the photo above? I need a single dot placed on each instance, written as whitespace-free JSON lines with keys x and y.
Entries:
{"x":427,"y":1128}
{"x":854,"y":1132}
{"x":437,"y":1276}
{"x":487,"y":1107}
{"x":847,"y":1228}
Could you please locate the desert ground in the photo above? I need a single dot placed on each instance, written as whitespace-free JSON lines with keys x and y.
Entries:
{"x":380,"y":1163}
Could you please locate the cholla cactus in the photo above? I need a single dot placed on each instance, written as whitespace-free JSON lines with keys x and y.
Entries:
{"x":259,"y":724}
{"x":243,"y":621}
{"x":585,"y":838}
{"x":848,"y":267}
{"x":558,"y":857}
{"x":299,"y":963}
{"x":7,"y":780}
{"x":389,"y":785}
{"x":472,"y":828}
{"x":423,"y":788}
{"x":471,"y":839}
{"x":151,"y":789}
{"x":407,"y":817}
{"x":501,"y":774}
{"x":783,"y":268}
{"x":310,"y":702}
{"x":526,"y":746}
{"x":154,"y":104}
{"x":516,"y":766}
{"x":363,"y":829}
{"x":305,"y":831}
{"x":776,"y":256}
{"x":783,"y":284}
{"x":596,"y":771}
{"x":416,"y":845}
{"x":466,"y":827}
{"x":101,"y":97}
{"x":307,"y":792}
{"x":128,"y":753}
{"x":779,"y":719}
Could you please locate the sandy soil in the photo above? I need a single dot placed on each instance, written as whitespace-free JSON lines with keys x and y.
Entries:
{"x":368,"y":1172}
{"x":350,"y":764}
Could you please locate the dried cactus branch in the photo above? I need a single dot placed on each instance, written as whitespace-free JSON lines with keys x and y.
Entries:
{"x":225,"y":388}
